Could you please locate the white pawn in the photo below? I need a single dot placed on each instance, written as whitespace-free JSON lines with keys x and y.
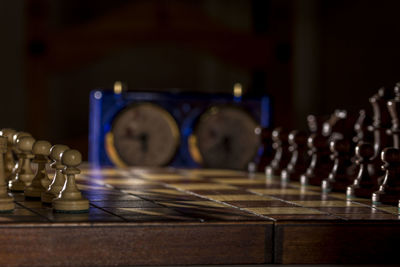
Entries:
{"x":70,"y":200}
{"x":16,"y":184}
{"x":6,"y":202}
{"x":56,"y":186}
{"x":9,"y":161}
{"x":41,"y":152}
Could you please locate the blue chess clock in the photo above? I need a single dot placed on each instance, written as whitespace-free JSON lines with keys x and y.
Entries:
{"x":176,"y":129}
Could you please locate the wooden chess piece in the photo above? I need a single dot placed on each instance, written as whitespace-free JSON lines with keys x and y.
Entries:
{"x":320,"y":164}
{"x":56,"y":186}
{"x":70,"y":199}
{"x":381,"y":123}
{"x":282,"y":157}
{"x":9,"y":161}
{"x":266,"y":149}
{"x":364,"y":184}
{"x":389,"y":191}
{"x":361,"y":128}
{"x":394,"y":109}
{"x":15,"y":183}
{"x":300,"y":158}
{"x":338,"y":179}
{"x":40,"y":183}
{"x":6,"y":202}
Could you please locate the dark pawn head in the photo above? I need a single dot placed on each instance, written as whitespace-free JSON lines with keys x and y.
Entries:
{"x":297,"y":137}
{"x":365,"y":150}
{"x":316,"y":141}
{"x":340,"y":146}
{"x":390,"y":155}
{"x":278,"y":134}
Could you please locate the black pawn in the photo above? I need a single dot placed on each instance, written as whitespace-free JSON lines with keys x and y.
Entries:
{"x":394,"y":111}
{"x":364,"y":184}
{"x":381,"y":124}
{"x":282,"y":155}
{"x":299,"y":159}
{"x":338,"y":180}
{"x":389,"y":191}
{"x":320,"y":164}
{"x":266,"y":151}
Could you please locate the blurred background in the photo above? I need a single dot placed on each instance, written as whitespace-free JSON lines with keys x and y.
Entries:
{"x":310,"y":56}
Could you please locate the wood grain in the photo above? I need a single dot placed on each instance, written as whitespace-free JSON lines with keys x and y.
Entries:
{"x":134,"y":244}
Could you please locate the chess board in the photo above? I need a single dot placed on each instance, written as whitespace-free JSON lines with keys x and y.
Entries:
{"x":167,"y":216}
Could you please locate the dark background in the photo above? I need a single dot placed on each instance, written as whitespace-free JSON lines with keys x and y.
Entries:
{"x":310,"y":56}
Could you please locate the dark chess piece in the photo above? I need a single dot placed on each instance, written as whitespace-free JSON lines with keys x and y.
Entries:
{"x":363,"y":134}
{"x":282,"y":155}
{"x":299,"y":159}
{"x":315,"y":123}
{"x":338,"y":179}
{"x":394,"y":109}
{"x":364,"y":184}
{"x":381,"y":123}
{"x":266,"y":151}
{"x":389,"y":191}
{"x":320,"y":164}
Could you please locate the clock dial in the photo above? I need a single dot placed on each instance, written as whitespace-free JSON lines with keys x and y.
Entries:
{"x":225,"y":137}
{"x":143,"y":135}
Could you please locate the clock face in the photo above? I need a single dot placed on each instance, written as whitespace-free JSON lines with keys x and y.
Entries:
{"x":225,"y":137}
{"x":143,"y":135}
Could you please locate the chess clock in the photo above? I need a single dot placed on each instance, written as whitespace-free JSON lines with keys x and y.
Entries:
{"x":176,"y":129}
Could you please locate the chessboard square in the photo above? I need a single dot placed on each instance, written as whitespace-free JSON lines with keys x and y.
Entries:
{"x":202,"y":186}
{"x":92,"y":188}
{"x":165,"y":176}
{"x":258,"y":203}
{"x":167,"y":191}
{"x":126,"y":204}
{"x":101,"y":171}
{"x":143,"y":211}
{"x":284,"y":191}
{"x":214,"y":172}
{"x":126,"y":181}
{"x":283,"y":210}
{"x":238,"y":197}
{"x":326,"y":203}
{"x":240,"y":181}
{"x":193,"y":204}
